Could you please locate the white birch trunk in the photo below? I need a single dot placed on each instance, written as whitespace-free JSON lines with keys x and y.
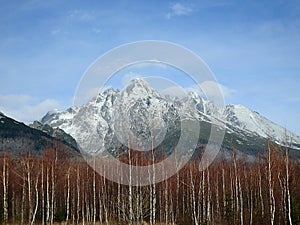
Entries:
{"x":23,"y":198}
{"x":271,"y":191}
{"x":43,"y":194}
{"x":94,"y":194}
{"x":193,"y":198}
{"x":204,"y":209}
{"x":29,"y":190}
{"x":78,"y":195}
{"x":130,"y":190}
{"x":208,"y":196}
{"x":48,"y":197}
{"x":52,"y":191}
{"x":36,"y":200}
{"x":287,"y":179}
{"x":236,"y":185}
{"x":5,"y":191}
{"x":68,"y":197}
{"x":260,"y":192}
{"x":241,"y":202}
{"x":223,"y":188}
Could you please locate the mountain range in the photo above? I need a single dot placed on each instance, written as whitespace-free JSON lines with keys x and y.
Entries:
{"x":114,"y":117}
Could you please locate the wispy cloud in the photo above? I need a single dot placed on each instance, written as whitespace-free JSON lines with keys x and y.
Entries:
{"x":178,"y":9}
{"x":96,"y":30}
{"x":209,"y":89}
{"x":128,"y":77}
{"x":206,"y":90}
{"x":26,"y":108}
{"x":80,"y":15}
{"x":55,"y":31}
{"x":12,"y":100}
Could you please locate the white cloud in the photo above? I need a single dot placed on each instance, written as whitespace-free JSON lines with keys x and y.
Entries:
{"x":55,"y":31}
{"x":209,"y":90}
{"x":80,"y":15}
{"x":174,"y":91}
{"x":10,"y":100}
{"x":128,"y":77}
{"x":178,"y":9}
{"x":96,"y":30}
{"x":26,"y":108}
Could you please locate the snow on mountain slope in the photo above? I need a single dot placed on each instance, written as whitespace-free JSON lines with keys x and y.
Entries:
{"x":62,"y":120}
{"x":246,"y":119}
{"x":100,"y":121}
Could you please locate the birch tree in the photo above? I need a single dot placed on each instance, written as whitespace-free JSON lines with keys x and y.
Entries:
{"x":271,"y":188}
{"x":5,"y":188}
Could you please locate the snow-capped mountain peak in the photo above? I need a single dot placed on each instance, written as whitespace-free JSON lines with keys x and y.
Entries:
{"x":138,"y":102}
{"x":138,"y":87}
{"x":246,"y":119}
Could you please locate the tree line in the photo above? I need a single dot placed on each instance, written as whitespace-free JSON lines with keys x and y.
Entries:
{"x":49,"y":189}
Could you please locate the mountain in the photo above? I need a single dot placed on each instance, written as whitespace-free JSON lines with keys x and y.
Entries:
{"x":18,"y":138}
{"x":56,"y":133}
{"x":114,"y":118}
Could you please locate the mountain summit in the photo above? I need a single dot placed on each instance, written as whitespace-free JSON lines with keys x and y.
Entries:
{"x":101,"y":120}
{"x":138,"y":87}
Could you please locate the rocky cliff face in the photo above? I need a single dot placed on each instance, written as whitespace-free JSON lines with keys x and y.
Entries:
{"x":116,"y":117}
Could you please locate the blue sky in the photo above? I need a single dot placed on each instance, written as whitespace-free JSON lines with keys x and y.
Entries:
{"x":252,"y":47}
